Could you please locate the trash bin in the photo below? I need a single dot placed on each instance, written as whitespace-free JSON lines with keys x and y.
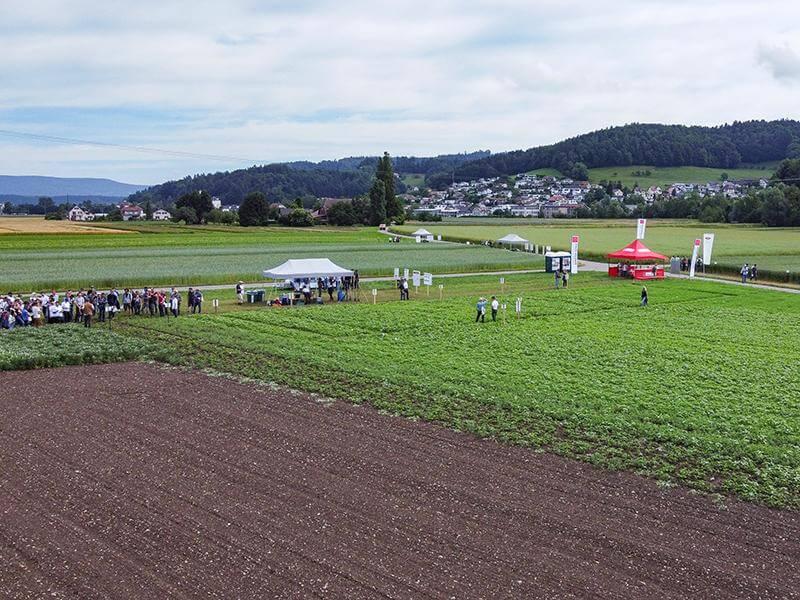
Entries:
{"x":259,"y":295}
{"x":251,"y":296}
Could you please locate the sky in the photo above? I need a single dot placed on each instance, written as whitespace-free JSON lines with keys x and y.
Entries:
{"x":242,"y":82}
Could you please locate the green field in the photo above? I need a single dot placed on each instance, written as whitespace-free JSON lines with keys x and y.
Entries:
{"x":665,"y":176}
{"x":734,"y":244}
{"x":413,"y":179}
{"x":700,"y":388}
{"x":168,"y":254}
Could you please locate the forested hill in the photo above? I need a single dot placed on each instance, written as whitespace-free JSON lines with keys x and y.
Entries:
{"x":725,"y":146}
{"x":343,"y":178}
{"x":279,"y":183}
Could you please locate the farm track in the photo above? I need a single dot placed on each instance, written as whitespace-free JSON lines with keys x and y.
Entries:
{"x":136,"y":481}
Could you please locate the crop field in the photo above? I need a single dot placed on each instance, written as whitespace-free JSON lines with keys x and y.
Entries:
{"x":733,"y":244}
{"x":39,"y":225}
{"x":700,"y":388}
{"x":55,"y":346}
{"x":168,"y":254}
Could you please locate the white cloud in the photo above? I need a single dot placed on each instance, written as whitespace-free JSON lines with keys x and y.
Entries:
{"x":781,"y":60}
{"x":321,"y":79}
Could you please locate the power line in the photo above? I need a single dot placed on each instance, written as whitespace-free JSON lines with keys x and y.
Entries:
{"x":143,"y":149}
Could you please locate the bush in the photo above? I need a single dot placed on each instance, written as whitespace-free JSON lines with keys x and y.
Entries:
{"x":299,"y":217}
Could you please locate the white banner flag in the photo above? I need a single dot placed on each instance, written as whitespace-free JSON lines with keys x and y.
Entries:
{"x":573,"y":263}
{"x":694,"y":257}
{"x":640,"y":226}
{"x":708,"y":244}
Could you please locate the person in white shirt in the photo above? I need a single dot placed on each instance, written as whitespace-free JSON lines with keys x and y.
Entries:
{"x":495,"y":307}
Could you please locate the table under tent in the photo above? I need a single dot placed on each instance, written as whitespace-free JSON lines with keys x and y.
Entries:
{"x":511,"y":240}
{"x":305,"y":279}
{"x":636,"y":261}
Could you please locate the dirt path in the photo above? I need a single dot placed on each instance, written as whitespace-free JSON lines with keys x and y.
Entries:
{"x":133,"y":481}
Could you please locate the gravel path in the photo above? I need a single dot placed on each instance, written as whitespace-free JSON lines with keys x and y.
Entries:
{"x":135,"y":481}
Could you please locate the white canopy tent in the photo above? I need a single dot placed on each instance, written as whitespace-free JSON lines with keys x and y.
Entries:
{"x":307,"y":267}
{"x":512,"y":238}
{"x":421,"y":233}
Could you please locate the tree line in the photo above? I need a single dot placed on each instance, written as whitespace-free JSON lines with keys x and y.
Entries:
{"x":725,"y":146}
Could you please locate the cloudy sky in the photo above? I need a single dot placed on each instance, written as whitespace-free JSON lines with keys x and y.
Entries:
{"x":259,"y":81}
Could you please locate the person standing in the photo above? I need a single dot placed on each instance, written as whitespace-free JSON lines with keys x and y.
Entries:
{"x":495,"y":307}
{"x":564,"y":279}
{"x":102,"y":302}
{"x":754,"y":272}
{"x":557,"y":278}
{"x":481,"y":307}
{"x":405,"y":289}
{"x":88,"y":313}
{"x":644,"y":295}
{"x":36,"y":314}
{"x":175,"y":303}
{"x":240,"y":292}
{"x":745,"y":270}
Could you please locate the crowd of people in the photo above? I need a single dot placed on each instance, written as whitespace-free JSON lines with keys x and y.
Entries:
{"x":86,"y":306}
{"x":339,"y":289}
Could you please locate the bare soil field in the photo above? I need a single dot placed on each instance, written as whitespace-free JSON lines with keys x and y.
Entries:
{"x":135,"y":481}
{"x":40,"y":225}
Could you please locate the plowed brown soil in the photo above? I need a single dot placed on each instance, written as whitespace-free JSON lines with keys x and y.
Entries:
{"x":133,"y":481}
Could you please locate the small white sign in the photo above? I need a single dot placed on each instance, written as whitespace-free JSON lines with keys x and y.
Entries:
{"x":518,"y":306}
{"x":374,"y":292}
{"x":415,"y":278}
{"x":427,"y":278}
{"x":215,"y":302}
{"x":441,"y":286}
{"x":405,"y":273}
{"x":397,"y":272}
{"x":502,"y":280}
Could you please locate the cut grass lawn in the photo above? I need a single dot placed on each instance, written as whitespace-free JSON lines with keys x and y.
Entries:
{"x":700,"y":388}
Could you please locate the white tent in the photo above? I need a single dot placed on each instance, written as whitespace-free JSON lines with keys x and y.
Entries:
{"x":307,"y":267}
{"x":512,"y":238}
{"x":422,"y":233}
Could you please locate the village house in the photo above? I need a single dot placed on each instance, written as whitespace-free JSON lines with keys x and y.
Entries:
{"x":321,"y":214}
{"x":130,"y":211}
{"x":76,"y":213}
{"x":161,"y":215}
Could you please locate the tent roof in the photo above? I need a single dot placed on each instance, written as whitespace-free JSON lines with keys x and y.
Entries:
{"x":306,"y":267}
{"x":636,"y":250}
{"x":421,"y":232}
{"x":513,"y":238}
{"x":561,"y":254}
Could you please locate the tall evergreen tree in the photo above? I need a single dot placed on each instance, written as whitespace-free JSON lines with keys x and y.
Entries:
{"x":377,"y":203}
{"x":385,"y":172}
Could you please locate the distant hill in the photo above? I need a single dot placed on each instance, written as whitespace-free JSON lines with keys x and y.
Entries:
{"x":722,"y":147}
{"x":283,"y":182}
{"x":31,"y":187}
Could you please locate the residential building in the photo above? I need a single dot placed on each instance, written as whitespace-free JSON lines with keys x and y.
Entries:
{"x":161,"y":215}
{"x":76,"y":213}
{"x":130,"y":211}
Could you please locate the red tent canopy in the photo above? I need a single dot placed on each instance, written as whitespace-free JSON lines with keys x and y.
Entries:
{"x":637,"y":251}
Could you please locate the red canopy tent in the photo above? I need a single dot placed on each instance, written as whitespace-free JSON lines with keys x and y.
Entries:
{"x":629,"y":262}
